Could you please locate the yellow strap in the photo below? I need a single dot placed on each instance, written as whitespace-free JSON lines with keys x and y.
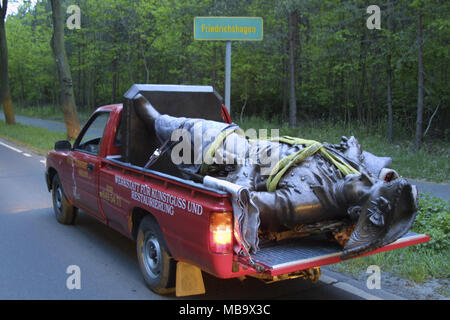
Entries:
{"x":284,"y":164}
{"x":312,"y":147}
{"x":209,"y":154}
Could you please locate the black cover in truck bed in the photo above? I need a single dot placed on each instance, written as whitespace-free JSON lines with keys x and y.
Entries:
{"x":139,"y":142}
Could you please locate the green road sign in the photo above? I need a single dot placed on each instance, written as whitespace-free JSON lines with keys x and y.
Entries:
{"x":228,"y":28}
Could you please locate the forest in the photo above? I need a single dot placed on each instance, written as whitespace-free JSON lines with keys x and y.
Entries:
{"x":318,"y":60}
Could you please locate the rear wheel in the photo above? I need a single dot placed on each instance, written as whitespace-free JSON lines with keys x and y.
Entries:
{"x":155,"y":262}
{"x":65,"y":212}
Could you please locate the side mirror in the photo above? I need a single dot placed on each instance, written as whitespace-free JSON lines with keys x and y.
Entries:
{"x":62,"y":145}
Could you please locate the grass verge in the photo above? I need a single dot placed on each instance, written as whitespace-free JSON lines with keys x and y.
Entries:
{"x":38,"y":139}
{"x":49,"y":112}
{"x":412,"y":263}
{"x":417,"y":263}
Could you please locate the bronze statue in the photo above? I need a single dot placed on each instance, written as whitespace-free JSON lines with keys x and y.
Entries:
{"x":313,"y":187}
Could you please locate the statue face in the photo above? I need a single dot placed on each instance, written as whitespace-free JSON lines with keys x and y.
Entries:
{"x":356,"y":188}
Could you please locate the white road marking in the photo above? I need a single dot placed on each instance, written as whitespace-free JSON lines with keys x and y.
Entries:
{"x":353,"y":290}
{"x":327,"y":280}
{"x":347,"y":287}
{"x":12,"y":148}
{"x":20,"y":151}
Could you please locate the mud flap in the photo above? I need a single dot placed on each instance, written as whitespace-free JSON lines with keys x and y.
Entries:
{"x":189,"y":280}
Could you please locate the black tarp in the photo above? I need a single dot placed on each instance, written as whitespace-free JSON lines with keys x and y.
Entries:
{"x":139,"y":142}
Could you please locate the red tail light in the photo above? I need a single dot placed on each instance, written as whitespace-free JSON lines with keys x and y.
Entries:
{"x":221,"y":232}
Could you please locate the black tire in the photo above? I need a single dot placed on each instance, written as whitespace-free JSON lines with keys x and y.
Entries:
{"x":157,"y":266}
{"x":65,"y":212}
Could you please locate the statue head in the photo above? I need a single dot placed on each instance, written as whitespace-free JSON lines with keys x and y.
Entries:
{"x":387,"y":213}
{"x":353,"y":189}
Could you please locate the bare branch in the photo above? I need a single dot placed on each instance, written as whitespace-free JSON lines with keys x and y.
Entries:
{"x":431,"y":119}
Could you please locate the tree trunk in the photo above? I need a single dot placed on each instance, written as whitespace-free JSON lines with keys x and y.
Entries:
{"x":95,"y":89}
{"x":342,"y":95}
{"x":214,"y":65}
{"x":418,"y":140}
{"x":79,"y":75}
{"x":84,"y":75}
{"x":389,"y":100}
{"x":285,"y":85}
{"x":5,"y":96}
{"x":292,"y":97}
{"x":22,"y":86}
{"x":360,"y":106}
{"x":389,"y":78}
{"x":115,"y":82}
{"x":65,"y":78}
{"x":362,"y":67}
{"x":371,"y":111}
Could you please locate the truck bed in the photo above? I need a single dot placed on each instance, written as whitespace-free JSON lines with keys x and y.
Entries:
{"x":189,"y":183}
{"x":290,"y":255}
{"x":298,"y":254}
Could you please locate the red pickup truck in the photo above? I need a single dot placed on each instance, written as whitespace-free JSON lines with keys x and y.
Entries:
{"x":180,"y":226}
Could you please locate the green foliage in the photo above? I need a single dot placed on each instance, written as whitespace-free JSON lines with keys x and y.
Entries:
{"x":414,"y":263}
{"x":340,"y":65}
{"x":433,"y":219}
{"x":39,"y":139}
{"x":420,"y":262}
{"x":32,"y":69}
{"x":48,"y":112}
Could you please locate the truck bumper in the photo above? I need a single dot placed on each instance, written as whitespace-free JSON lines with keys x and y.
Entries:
{"x":309,"y":253}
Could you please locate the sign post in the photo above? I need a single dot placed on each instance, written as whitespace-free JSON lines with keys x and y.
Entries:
{"x":228,"y":29}
{"x":228,"y":75}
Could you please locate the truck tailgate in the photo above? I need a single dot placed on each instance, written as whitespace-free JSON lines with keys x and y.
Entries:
{"x":298,"y":254}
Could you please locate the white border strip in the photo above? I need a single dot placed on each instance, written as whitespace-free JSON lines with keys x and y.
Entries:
{"x":357,"y":292}
{"x":12,"y":148}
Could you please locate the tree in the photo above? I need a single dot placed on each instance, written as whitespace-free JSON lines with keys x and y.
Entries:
{"x":341,"y":70}
{"x":5,"y":96}
{"x":292,"y":97}
{"x":389,"y":76}
{"x":65,"y":78}
{"x":419,"y":133}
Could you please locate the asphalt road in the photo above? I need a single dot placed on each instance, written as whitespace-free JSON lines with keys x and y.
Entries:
{"x":434,"y":189}
{"x":35,"y":252}
{"x":47,"y":124}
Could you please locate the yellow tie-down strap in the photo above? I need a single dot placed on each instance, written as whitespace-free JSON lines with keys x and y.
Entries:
{"x":312,"y":148}
{"x":285,"y":163}
{"x":209,"y":154}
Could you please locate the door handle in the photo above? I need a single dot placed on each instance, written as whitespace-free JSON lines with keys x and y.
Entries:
{"x":90,"y":167}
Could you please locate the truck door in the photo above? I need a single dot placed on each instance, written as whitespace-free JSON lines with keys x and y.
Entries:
{"x":86,"y":164}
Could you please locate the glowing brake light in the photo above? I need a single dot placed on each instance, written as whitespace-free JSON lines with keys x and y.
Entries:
{"x":221,"y":232}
